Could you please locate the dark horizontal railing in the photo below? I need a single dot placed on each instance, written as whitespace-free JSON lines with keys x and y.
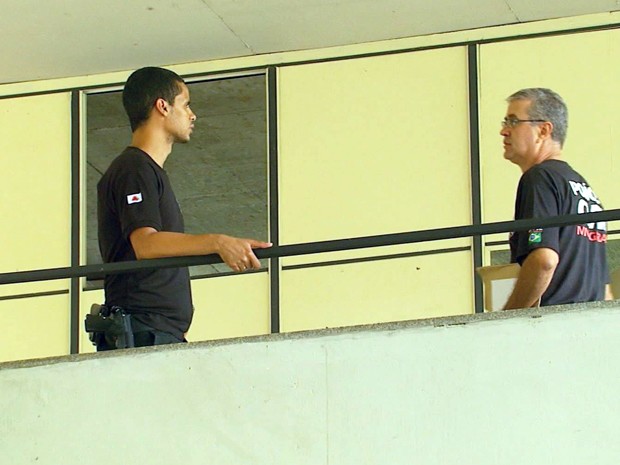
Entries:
{"x":337,"y":245}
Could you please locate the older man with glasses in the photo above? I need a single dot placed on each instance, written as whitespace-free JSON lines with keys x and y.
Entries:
{"x":558,"y":265}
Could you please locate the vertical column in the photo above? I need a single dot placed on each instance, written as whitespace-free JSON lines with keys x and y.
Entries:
{"x":274,"y":221}
{"x":474,"y":151}
{"x":75,"y":221}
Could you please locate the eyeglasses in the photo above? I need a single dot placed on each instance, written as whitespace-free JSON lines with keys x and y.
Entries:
{"x":512,"y":122}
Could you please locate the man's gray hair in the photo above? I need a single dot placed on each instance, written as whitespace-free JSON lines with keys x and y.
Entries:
{"x":548,"y":106}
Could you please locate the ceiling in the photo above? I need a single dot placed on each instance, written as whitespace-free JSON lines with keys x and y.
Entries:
{"x":44,"y":39}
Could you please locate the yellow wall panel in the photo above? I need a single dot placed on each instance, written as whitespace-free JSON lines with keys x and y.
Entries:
{"x":355,"y":254}
{"x":379,"y":291}
{"x":22,"y":289}
{"x":35,"y":194}
{"x":34,"y":327}
{"x":230,"y":306}
{"x":585,"y":70}
{"x":374,"y":145}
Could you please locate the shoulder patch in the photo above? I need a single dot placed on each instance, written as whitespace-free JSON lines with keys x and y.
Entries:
{"x":535,"y":236}
{"x":134,"y":198}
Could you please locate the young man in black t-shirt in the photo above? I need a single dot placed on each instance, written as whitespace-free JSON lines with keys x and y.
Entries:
{"x":139,"y":216}
{"x":558,"y":265}
{"x":135,"y":193}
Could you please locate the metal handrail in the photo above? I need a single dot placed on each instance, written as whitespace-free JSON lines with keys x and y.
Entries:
{"x":307,"y":248}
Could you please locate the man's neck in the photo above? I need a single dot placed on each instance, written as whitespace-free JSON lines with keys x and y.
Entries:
{"x":154,"y":145}
{"x":551,"y":153}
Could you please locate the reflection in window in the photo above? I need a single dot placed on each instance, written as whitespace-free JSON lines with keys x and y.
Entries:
{"x":219,"y":177}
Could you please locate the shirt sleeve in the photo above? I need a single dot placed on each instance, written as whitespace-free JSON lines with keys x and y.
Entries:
{"x":540,"y":198}
{"x":137,"y":193}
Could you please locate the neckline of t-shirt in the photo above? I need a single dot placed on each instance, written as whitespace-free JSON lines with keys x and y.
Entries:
{"x":148,"y":157}
{"x":551,"y":160}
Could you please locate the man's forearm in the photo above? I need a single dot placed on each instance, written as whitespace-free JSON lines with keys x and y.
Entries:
{"x":528,"y":289}
{"x":236,"y":252}
{"x":534,"y":278}
{"x":155,"y":244}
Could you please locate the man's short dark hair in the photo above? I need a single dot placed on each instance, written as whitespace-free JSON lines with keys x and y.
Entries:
{"x":144,"y":87}
{"x":548,"y":106}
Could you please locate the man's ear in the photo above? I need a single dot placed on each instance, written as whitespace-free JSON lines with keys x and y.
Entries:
{"x":161,"y":106}
{"x":546,"y":130}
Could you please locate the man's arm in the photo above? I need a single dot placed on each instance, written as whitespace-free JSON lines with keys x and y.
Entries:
{"x":534,"y":278}
{"x":235,"y":252}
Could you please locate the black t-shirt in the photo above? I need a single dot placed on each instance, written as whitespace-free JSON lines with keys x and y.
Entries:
{"x":133,"y":193}
{"x":553,"y":188}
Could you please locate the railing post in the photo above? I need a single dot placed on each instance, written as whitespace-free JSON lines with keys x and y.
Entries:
{"x":474,"y":154}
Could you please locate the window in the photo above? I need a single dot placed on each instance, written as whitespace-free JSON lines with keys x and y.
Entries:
{"x":219,"y":177}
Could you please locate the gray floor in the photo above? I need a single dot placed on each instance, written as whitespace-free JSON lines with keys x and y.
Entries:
{"x":219,"y":177}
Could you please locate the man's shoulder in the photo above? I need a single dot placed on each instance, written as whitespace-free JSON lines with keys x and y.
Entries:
{"x":130,"y":161}
{"x":550,"y":170}
{"x":536,"y":174}
{"x":131,"y":156}
{"x":557,"y":167}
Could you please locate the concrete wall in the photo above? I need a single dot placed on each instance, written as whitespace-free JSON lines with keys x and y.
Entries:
{"x":526,"y":387}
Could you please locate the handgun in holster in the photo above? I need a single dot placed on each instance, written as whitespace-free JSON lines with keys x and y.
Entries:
{"x":109,"y":324}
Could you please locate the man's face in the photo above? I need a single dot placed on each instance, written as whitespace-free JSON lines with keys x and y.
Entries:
{"x":520,"y":141}
{"x":181,"y":117}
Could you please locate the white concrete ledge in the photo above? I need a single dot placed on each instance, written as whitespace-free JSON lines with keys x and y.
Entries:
{"x":530,"y":386}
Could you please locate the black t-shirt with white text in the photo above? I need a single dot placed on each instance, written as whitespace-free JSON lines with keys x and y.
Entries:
{"x":553,"y":188}
{"x":133,"y":193}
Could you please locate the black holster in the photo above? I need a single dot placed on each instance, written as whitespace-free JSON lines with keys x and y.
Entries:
{"x":109,"y":326}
